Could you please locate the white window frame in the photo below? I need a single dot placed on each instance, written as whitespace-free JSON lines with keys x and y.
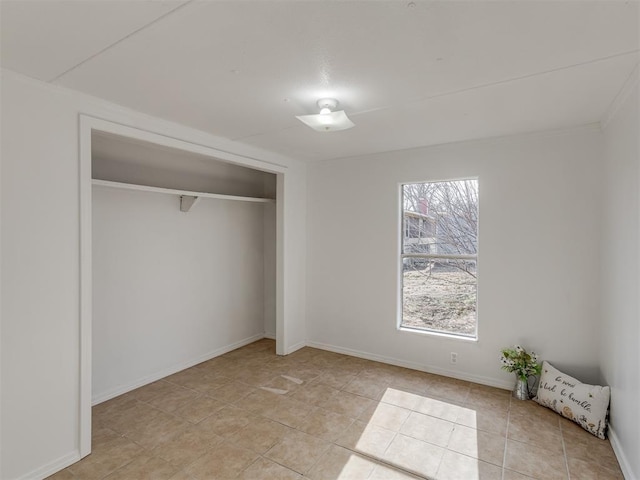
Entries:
{"x":402,"y":256}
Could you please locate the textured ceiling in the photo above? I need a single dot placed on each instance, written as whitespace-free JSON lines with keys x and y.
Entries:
{"x":407,"y":73}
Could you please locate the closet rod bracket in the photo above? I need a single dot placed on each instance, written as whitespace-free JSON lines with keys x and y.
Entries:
{"x":187,"y":201}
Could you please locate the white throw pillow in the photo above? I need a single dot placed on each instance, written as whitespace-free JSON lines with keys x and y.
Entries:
{"x":587,"y":405}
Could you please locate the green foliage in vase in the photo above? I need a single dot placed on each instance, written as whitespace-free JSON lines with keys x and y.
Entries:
{"x":521,"y":362}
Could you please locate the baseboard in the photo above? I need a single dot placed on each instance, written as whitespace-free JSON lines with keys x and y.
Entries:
{"x":492,"y":382}
{"x":297,"y":346}
{"x":122,"y":389}
{"x":269,"y":335}
{"x":52,"y":467}
{"x":620,"y":455}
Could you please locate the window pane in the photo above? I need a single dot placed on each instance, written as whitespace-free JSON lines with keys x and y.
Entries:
{"x":440,"y":295}
{"x":440,"y":217}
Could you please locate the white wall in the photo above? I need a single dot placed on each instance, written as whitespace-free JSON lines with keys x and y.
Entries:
{"x":295,"y":246}
{"x":40,"y":264}
{"x":171,"y":288}
{"x":270,"y":273}
{"x":269,"y":248}
{"x":620,"y":329}
{"x":538,"y":253}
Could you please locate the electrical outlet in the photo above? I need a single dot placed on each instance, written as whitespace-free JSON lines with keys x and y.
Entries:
{"x":454,"y":357}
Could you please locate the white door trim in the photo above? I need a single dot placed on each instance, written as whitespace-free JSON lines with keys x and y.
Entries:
{"x":87,"y":124}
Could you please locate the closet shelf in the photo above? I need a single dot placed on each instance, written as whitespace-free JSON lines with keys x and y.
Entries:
{"x":172,"y":191}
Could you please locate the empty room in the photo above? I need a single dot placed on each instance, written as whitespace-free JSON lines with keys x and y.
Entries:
{"x":319,"y":240}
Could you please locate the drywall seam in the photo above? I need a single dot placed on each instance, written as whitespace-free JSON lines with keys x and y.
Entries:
{"x":414,"y":366}
{"x":114,"y":392}
{"x":472,"y":142}
{"x":180,"y":131}
{"x":121,"y":39}
{"x":621,"y":98}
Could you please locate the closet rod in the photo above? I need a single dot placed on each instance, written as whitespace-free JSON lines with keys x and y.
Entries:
{"x":172,"y":191}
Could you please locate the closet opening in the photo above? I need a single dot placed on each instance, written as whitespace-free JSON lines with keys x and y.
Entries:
{"x":179,"y":261}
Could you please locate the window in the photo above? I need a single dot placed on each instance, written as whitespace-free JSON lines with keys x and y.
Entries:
{"x":439,"y":257}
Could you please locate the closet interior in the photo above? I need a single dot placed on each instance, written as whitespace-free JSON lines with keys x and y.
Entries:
{"x":183,"y":260}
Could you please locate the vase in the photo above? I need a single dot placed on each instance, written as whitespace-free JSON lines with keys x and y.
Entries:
{"x":521,"y":389}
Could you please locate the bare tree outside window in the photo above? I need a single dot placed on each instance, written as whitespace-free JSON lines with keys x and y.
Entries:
{"x":439,"y":256}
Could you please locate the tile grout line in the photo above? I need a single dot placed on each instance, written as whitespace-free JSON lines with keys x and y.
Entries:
{"x":320,"y":457}
{"x":399,"y":468}
{"x":364,"y":374}
{"x":464,"y":401}
{"x":506,"y":438}
{"x":149,"y":450}
{"x":564,"y":452}
{"x":384,"y":461}
{"x":269,"y":459}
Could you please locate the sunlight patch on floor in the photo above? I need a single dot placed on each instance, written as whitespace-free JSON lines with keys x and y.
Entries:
{"x":411,"y":432}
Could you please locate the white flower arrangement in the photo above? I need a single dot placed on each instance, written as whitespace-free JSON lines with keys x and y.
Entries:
{"x":519,"y":361}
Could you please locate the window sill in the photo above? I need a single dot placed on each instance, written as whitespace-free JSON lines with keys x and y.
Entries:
{"x":451,"y":336}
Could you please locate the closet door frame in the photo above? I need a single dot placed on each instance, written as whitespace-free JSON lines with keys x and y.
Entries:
{"x":89,"y":124}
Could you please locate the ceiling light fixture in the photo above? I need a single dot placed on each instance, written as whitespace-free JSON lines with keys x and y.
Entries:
{"x":327,"y":120}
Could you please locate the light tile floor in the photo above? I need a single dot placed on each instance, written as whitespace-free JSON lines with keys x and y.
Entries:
{"x":318,"y":415}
